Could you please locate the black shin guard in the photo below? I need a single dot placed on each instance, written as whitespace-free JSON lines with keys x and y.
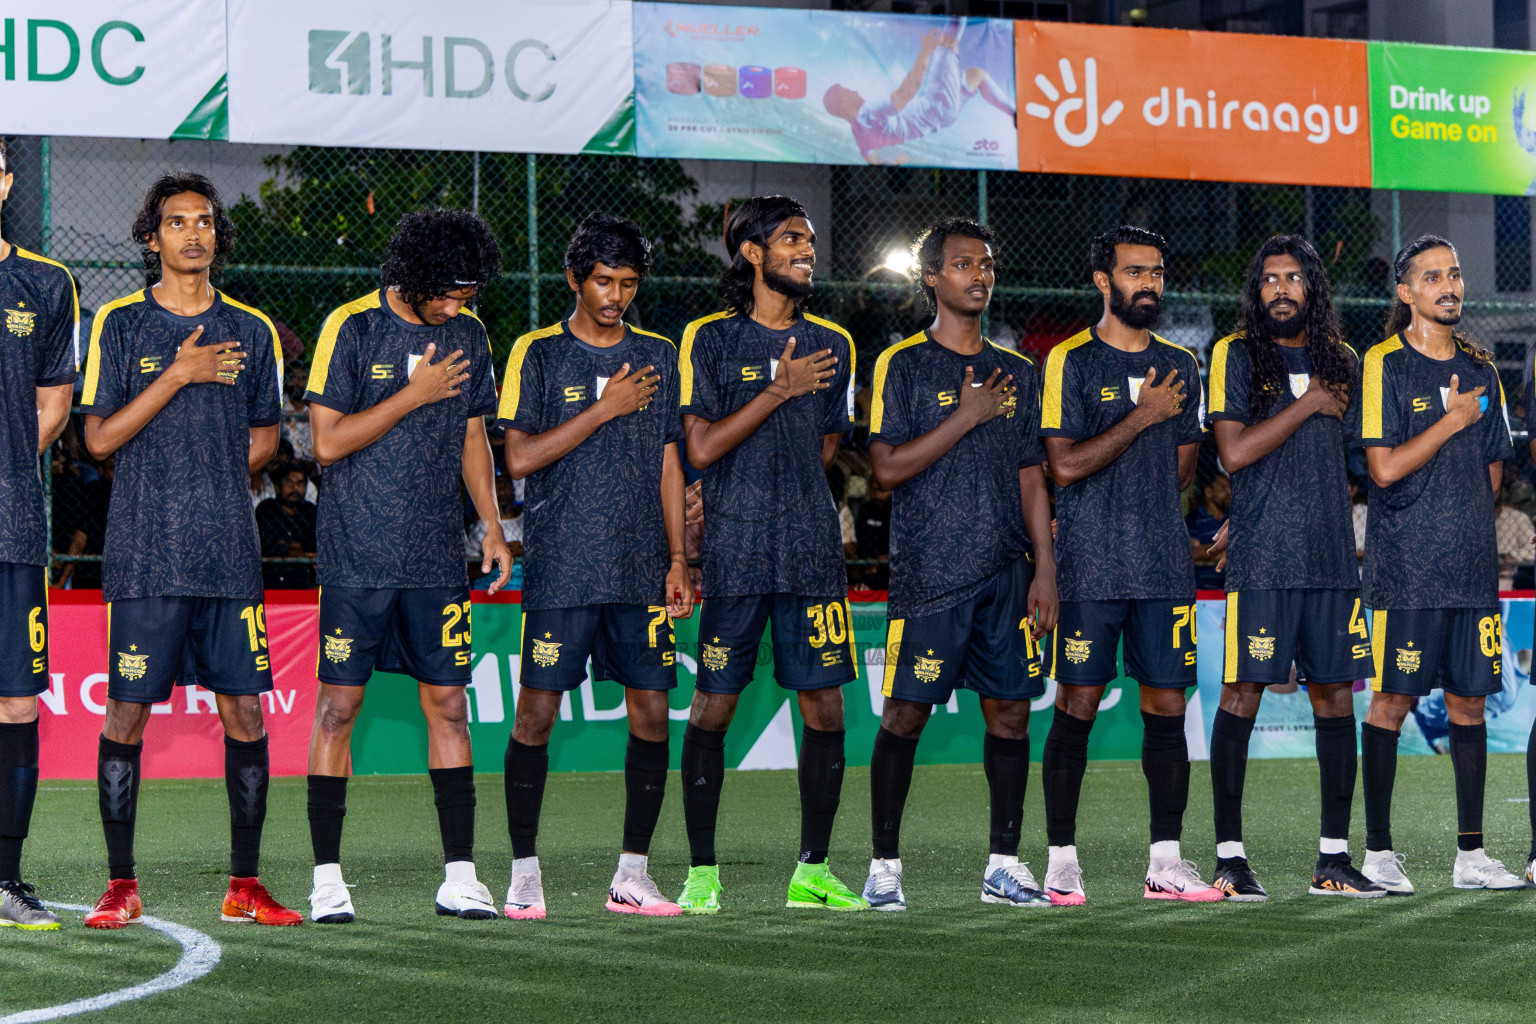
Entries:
{"x":18,"y":791}
{"x":1378,"y":749}
{"x":1229,"y":768}
{"x":117,"y":787}
{"x":327,"y":809}
{"x":1062,"y":764}
{"x":821,"y":790}
{"x":1006,"y":763}
{"x":1337,"y":766}
{"x":645,"y":786}
{"x":890,"y":776}
{"x":247,"y":774}
{"x":1469,"y":761}
{"x":453,"y":792}
{"x":527,"y":769}
{"x":1165,"y":763}
{"x":703,"y":764}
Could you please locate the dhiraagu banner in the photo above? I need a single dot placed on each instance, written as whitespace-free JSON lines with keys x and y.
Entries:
{"x":1453,"y":119}
{"x":142,"y":69}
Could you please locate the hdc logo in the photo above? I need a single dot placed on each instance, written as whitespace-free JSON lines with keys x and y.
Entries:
{"x":342,"y":61}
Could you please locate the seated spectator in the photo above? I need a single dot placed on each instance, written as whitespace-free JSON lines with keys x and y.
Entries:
{"x":1202,"y":522}
{"x":1514,"y":532}
{"x":286,"y":523}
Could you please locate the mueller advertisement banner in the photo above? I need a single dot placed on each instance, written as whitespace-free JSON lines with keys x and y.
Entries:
{"x":183,"y":740}
{"x":1157,"y":103}
{"x":821,"y":87}
{"x":501,"y":75}
{"x":1453,"y":119}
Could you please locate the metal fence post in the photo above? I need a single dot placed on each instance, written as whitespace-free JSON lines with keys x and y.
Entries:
{"x":474,"y":196}
{"x":1397,"y":223}
{"x":533,"y":242}
{"x":981,"y":218}
{"x":45,"y":217}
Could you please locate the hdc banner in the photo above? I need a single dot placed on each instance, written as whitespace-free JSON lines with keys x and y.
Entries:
{"x":141,"y":69}
{"x":501,"y":75}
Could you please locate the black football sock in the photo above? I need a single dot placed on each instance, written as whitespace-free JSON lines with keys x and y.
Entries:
{"x":247,"y":773}
{"x":1337,"y":766}
{"x":1062,"y":765}
{"x":1378,"y":751}
{"x":453,"y":791}
{"x":1006,"y":763}
{"x":1530,"y":785}
{"x":527,"y":769}
{"x":645,"y":786}
{"x":117,"y":788}
{"x":1229,"y":767}
{"x":327,"y":809}
{"x":1165,"y":763}
{"x":18,"y":791}
{"x":821,"y":790}
{"x":703,"y":765}
{"x":890,"y":776}
{"x":1469,"y":762}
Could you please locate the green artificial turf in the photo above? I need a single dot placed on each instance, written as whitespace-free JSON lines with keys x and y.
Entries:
{"x":1443,"y":955}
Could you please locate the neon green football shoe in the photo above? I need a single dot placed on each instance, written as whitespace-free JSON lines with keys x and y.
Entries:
{"x":701,"y":892}
{"x":814,"y":885}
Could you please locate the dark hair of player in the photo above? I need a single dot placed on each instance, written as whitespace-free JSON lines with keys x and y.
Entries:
{"x":928,"y":250}
{"x":611,"y":241}
{"x":755,"y":220}
{"x":1101,"y":251}
{"x":434,"y":252}
{"x":147,"y":221}
{"x":3,"y":164}
{"x":1401,"y":314}
{"x":1331,"y":361}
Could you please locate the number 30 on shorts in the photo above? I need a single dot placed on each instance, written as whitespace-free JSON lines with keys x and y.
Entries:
{"x":829,"y":624}
{"x":453,"y":615}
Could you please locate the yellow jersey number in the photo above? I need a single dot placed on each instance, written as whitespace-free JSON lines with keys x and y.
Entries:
{"x":37,"y":638}
{"x":255,"y":616}
{"x":1361,"y":651}
{"x":1184,"y":621}
{"x":653,"y":628}
{"x":1490,"y":638}
{"x":453,"y":615}
{"x":829,"y":624}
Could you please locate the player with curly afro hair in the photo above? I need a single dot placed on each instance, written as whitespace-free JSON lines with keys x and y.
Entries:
{"x":435,"y":253}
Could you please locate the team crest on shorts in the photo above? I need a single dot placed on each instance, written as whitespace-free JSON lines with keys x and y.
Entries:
{"x":1261,"y":648}
{"x":1078,"y":650}
{"x":714,"y":657}
{"x":1408,"y":660}
{"x":132,"y":666}
{"x":926,"y":669}
{"x":338,"y":648}
{"x":545,"y":653}
{"x":20,"y":323}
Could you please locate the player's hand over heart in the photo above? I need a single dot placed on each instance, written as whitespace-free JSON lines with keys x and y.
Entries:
{"x":985,"y":401}
{"x":218,"y":363}
{"x":1325,"y":401}
{"x":433,"y":382}
{"x":796,"y":377}
{"x":627,"y":392}
{"x":1463,"y":408}
{"x":1157,"y":402}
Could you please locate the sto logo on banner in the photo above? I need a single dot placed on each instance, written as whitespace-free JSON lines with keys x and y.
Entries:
{"x":1167,"y":104}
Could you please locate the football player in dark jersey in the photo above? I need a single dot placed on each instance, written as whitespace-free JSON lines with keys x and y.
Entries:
{"x":38,"y":358}
{"x":183,"y":384}
{"x":1121,"y":415}
{"x":766,"y":396}
{"x":954,"y":432}
{"x":1436,"y":435}
{"x":398,"y":393}
{"x":1281,"y":389}
{"x":590,"y":407}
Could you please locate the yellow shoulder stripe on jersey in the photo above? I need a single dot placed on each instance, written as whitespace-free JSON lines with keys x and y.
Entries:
{"x":1008,"y":351}
{"x":685,"y":358}
{"x":1055,"y":364}
{"x":74,"y":293}
{"x":882,"y":365}
{"x":277,"y":346}
{"x":1218,"y":397}
{"x":1370,"y":386}
{"x":93,"y":357}
{"x":653,"y":334}
{"x":853,"y":352}
{"x":512,"y":382}
{"x":320,"y":366}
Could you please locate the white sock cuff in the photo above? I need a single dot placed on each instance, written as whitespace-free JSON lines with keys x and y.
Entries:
{"x":1057,"y":854}
{"x":1167,"y":849}
{"x":998,"y":860}
{"x":1332,"y":846}
{"x":328,"y":874}
{"x":459,"y":872}
{"x":892,"y":863}
{"x":633,"y":861}
{"x":1226,"y":851}
{"x":525,"y":865}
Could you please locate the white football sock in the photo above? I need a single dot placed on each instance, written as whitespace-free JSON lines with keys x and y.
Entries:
{"x":1167,"y":849}
{"x":1226,"y":851}
{"x":1333,"y":846}
{"x":1060,"y":854}
{"x":328,"y":874}
{"x":998,"y":860}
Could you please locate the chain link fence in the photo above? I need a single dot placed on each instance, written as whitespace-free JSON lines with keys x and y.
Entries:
{"x":313,"y":222}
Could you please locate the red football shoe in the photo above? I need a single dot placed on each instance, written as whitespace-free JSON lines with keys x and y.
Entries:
{"x":119,"y":905}
{"x":248,"y":900}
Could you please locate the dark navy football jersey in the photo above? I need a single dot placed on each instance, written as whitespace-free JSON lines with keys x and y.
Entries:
{"x":180,"y":522}
{"x":391,"y":515}
{"x":1120,"y":533}
{"x":1290,"y":527}
{"x":593,"y":530}
{"x":39,"y":348}
{"x":771,"y":526}
{"x":1429,"y":538}
{"x":960,"y":521}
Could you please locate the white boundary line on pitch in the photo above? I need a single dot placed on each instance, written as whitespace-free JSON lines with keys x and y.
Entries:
{"x":199,"y":955}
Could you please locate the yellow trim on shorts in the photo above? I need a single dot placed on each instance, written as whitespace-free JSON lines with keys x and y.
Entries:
{"x":1229,"y":665}
{"x":319,"y":594}
{"x":1378,"y":647}
{"x":892,"y":653}
{"x":853,"y":650}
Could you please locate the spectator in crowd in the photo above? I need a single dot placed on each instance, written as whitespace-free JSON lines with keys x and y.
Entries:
{"x":1514,"y":532}
{"x":286,"y":522}
{"x":80,"y":514}
{"x":1357,"y":508}
{"x":1203,"y":521}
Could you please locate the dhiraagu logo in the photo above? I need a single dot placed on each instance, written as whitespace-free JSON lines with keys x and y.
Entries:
{"x":1068,"y":102}
{"x":454,"y":67}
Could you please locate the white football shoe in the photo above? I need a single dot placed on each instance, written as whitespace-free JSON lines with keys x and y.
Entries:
{"x":463,"y":895}
{"x":330,"y":902}
{"x":1476,"y":870}
{"x":525,"y":896}
{"x":1385,"y":868}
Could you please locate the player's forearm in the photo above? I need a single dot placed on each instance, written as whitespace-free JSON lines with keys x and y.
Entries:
{"x":1389,"y":465}
{"x":1495,"y":475}
{"x":896,"y":464}
{"x":1189,"y":460}
{"x":672,"y":512}
{"x":263,"y":447}
{"x":52,"y":413}
{"x":105,"y":435}
{"x":479,"y":472}
{"x":914,"y":80}
{"x":336,"y":437}
{"x":709,"y":442}
{"x":1037,"y":518}
{"x":1072,"y":461}
{"x":529,"y":453}
{"x":1241,"y":446}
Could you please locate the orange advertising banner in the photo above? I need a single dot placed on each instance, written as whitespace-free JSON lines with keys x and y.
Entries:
{"x":1209,"y":106}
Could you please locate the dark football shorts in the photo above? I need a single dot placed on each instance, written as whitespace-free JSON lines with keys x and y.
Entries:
{"x":812,"y":641}
{"x":630,"y":643}
{"x":155,"y":643}
{"x":23,"y":629}
{"x":1322,"y":631}
{"x":983,"y":644}
{"x":1159,"y":642}
{"x":1459,"y":650}
{"x":422,"y":632}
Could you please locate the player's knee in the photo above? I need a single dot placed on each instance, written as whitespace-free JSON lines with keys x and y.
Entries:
{"x":1241,"y":699}
{"x":18,"y":710}
{"x":712,"y":711}
{"x":1465,"y":710}
{"x":124,"y":722}
{"x":1389,"y":710}
{"x":449,"y":709}
{"x":1080,"y":702}
{"x":905,"y":718}
{"x":1009,"y":720}
{"x":822,"y":709}
{"x":1158,"y":701}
